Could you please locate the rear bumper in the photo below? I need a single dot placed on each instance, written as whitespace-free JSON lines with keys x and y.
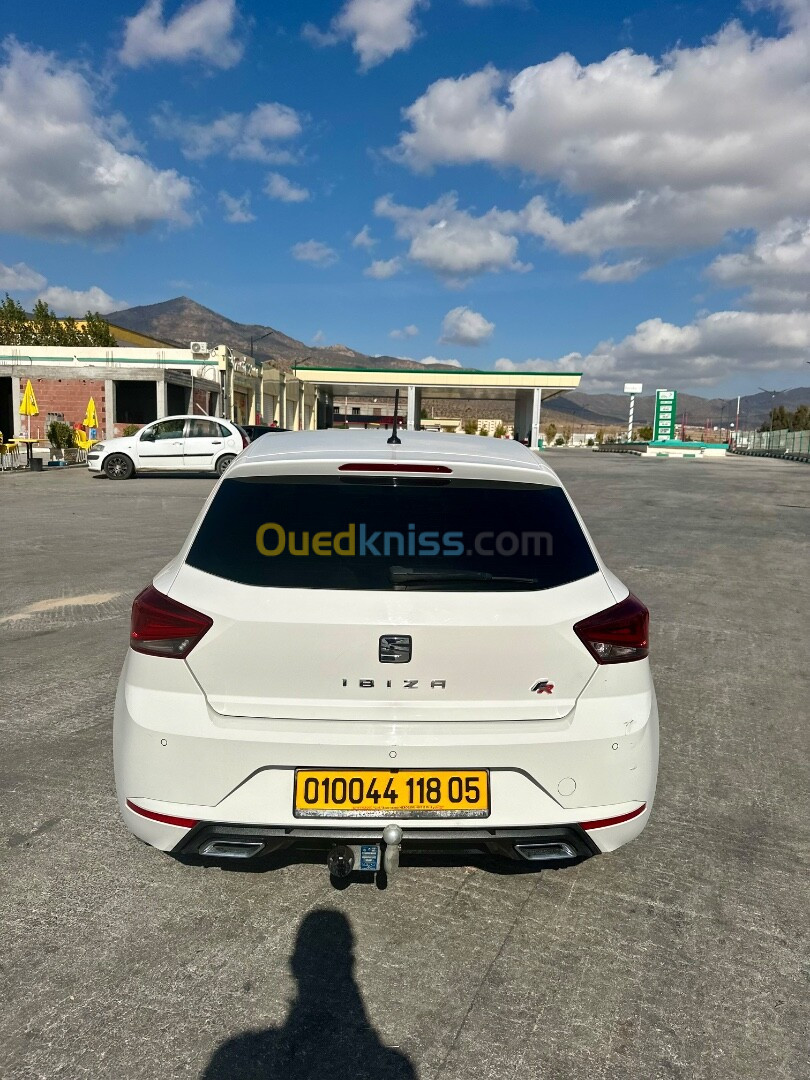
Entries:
{"x":175,"y":758}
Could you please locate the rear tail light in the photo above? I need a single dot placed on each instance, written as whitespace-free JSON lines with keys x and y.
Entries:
{"x":617,"y":635}
{"x":164,"y":627}
{"x":245,"y":439}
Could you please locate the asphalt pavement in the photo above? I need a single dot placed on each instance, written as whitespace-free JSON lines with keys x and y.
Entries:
{"x":683,"y":954}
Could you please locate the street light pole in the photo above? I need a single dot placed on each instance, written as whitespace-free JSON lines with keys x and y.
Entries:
{"x":261,"y":337}
{"x":253,"y":341}
{"x":773,"y":394}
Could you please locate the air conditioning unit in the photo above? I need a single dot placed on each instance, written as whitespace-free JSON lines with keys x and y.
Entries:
{"x":199,"y":346}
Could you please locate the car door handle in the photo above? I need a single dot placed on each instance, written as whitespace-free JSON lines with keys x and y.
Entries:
{"x":217,"y":442}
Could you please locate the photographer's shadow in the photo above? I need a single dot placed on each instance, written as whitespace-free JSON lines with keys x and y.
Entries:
{"x":327,"y":1034}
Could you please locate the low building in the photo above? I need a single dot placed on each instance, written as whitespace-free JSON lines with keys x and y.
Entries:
{"x":329,"y":396}
{"x":130,"y":384}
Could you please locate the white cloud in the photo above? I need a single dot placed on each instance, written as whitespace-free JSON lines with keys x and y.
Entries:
{"x":20,"y":278}
{"x":432,"y":361}
{"x":364,"y":239}
{"x":406,"y":332}
{"x":667,"y":154}
{"x":775,"y":268}
{"x":700,"y":354}
{"x":66,"y":301}
{"x":454,"y":243}
{"x":463,"y":326}
{"x":383,"y":268}
{"x":318,"y":337}
{"x":628,"y":270}
{"x":376,"y":28}
{"x":242,"y":136}
{"x":315,"y":252}
{"x":201,"y":31}
{"x":237,"y":208}
{"x":279,"y":187}
{"x":64,"y":169}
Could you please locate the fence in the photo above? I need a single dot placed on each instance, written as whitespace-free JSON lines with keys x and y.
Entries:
{"x":792,"y":442}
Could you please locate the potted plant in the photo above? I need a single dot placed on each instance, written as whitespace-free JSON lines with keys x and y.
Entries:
{"x":61,"y":437}
{"x":70,"y":448}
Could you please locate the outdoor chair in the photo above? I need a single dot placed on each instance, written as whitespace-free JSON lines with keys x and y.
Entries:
{"x":9,"y":454}
{"x":83,"y":443}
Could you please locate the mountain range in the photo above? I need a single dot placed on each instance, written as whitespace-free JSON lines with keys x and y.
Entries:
{"x":182,"y":320}
{"x":179,"y":321}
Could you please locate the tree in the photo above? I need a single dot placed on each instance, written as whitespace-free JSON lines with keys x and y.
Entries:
{"x":71,"y":334}
{"x":600,"y":436}
{"x":801,"y":419}
{"x":559,"y":441}
{"x":566,"y":433}
{"x":483,"y":431}
{"x":98,"y":333}
{"x":500,"y":431}
{"x":779,"y":419}
{"x":470,"y":426}
{"x":14,"y":327}
{"x":43,"y":327}
{"x":551,"y":431}
{"x":644,"y":433}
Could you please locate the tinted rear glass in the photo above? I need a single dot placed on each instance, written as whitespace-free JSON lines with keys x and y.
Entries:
{"x":391,"y":533}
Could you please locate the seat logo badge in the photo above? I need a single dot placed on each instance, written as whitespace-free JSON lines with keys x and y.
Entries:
{"x":395,"y":649}
{"x":543,"y":687}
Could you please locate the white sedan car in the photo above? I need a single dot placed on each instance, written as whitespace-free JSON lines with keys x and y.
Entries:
{"x":371,"y":649}
{"x":175,"y":443}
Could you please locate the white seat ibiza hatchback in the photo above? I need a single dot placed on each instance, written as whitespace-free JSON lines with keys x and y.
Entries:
{"x":372,"y":649}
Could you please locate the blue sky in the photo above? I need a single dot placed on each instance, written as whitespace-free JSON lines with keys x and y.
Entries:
{"x":619,"y":188}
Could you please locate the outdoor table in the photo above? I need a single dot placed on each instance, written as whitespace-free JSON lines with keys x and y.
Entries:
{"x":29,"y":449}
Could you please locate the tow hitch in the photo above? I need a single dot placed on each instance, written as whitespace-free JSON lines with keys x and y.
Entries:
{"x":343,"y":859}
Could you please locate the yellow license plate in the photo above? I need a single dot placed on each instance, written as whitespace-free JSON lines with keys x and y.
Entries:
{"x":391,"y":793}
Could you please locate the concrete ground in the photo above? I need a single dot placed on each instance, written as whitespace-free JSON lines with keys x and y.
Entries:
{"x":682,"y":955}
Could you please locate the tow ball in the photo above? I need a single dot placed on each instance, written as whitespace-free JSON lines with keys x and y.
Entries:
{"x":343,"y":859}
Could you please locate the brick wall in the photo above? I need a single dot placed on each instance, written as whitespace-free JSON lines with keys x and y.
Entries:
{"x":68,"y":396}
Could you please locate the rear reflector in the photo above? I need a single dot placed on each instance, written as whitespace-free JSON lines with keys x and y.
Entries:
{"x":604,"y":822}
{"x":618,"y":634}
{"x":362,"y":466}
{"x":164,"y":819}
{"x":164,"y":627}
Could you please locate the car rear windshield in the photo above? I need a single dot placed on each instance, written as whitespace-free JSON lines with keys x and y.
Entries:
{"x":391,"y":534}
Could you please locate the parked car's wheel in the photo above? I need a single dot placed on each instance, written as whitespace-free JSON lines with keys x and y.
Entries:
{"x":119,"y":467}
{"x":224,"y":462}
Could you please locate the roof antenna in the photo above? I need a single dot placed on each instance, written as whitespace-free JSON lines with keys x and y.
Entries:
{"x":395,"y":439}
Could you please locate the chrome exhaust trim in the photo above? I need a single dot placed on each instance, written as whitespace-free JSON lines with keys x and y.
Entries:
{"x":231,"y":849}
{"x":546,"y":852}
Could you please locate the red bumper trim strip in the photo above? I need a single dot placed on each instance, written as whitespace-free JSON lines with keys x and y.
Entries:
{"x":165,"y":819}
{"x":604,"y":822}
